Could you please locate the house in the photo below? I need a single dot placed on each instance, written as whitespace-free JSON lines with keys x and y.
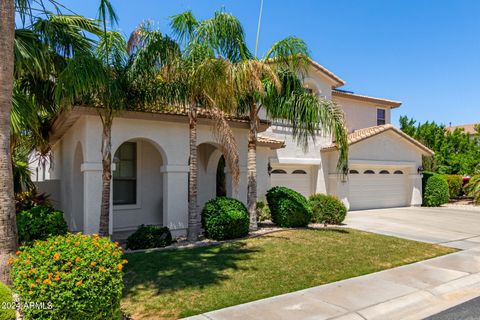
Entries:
{"x":150,"y":171}
{"x":467,"y":128}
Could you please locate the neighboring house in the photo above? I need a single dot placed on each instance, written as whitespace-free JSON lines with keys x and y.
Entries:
{"x":150,"y":172}
{"x":467,"y":128}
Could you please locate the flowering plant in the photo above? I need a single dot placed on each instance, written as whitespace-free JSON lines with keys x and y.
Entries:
{"x":77,"y":276}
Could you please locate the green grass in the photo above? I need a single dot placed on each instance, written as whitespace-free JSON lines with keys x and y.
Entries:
{"x":178,"y":283}
{"x":5,"y":299}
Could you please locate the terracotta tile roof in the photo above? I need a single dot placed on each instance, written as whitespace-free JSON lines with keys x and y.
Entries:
{"x":336,"y":79}
{"x":270,"y":142}
{"x":365,"y":133}
{"x":379,"y":101}
{"x":468,"y":128}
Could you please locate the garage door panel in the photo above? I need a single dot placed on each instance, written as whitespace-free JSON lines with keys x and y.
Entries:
{"x":369,"y":191}
{"x":297,"y":181}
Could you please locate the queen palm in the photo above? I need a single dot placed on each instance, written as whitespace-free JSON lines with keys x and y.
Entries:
{"x":273,"y":82}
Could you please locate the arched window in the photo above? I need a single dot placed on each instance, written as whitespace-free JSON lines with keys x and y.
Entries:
{"x":369,"y":172}
{"x":299,"y":172}
{"x":398,"y":172}
{"x":279,"y":171}
{"x":353,"y":172}
{"x":384,"y":172}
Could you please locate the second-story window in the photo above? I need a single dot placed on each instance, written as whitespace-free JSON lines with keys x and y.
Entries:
{"x":381,"y":118}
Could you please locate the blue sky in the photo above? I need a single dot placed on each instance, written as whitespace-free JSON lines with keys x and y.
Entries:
{"x":425,"y":53}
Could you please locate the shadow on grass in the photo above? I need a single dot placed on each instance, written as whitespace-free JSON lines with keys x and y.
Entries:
{"x":337,"y":230}
{"x":169,"y":270}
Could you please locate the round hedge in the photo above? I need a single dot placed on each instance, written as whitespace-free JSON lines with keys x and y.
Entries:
{"x":225,"y":218}
{"x":436,"y":191}
{"x":289,"y":209}
{"x":39,"y":223}
{"x":74,"y":277}
{"x":327,"y":208}
{"x":150,"y":236}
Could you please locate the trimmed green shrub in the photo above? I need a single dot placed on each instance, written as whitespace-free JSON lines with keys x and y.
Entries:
{"x":436,"y":191}
{"x":455,"y":184}
{"x":74,"y":277}
{"x":425,"y":176}
{"x":149,"y":237}
{"x":289,"y":209}
{"x":39,"y":223}
{"x":327,"y":208}
{"x":225,"y":218}
{"x":7,"y":310}
{"x":263,"y":212}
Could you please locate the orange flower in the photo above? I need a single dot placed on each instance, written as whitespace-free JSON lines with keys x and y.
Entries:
{"x":33,"y":270}
{"x":79,"y":283}
{"x":77,"y":244}
{"x":56,"y":256}
{"x":32,"y":285}
{"x":42,"y":253}
{"x":120,"y":266}
{"x":46,"y":281}
{"x":50,"y":275}
{"x":78,"y":259}
{"x":57,"y":278}
{"x":37,"y":281}
{"x":101,"y":269}
{"x":20,"y":287}
{"x":125,"y":261}
{"x":93,"y":264}
{"x":17,"y":253}
{"x":10,"y":261}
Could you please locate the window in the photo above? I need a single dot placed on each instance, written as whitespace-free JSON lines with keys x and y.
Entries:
{"x":384,"y":172}
{"x":279,"y":171}
{"x":125,"y":174}
{"x":381,"y":117}
{"x":368,"y":172}
{"x":353,"y":172}
{"x":398,"y":172}
{"x":299,"y":172}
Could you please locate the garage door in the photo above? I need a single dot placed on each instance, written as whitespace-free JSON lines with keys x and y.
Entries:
{"x":296,"y":178}
{"x":378,"y":188}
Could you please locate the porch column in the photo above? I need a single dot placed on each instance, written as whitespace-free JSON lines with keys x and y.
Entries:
{"x":416,"y":183}
{"x":240,"y":192}
{"x":92,"y":175}
{"x":175,"y":198}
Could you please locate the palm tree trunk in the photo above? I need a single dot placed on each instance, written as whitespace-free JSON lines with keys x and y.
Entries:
{"x":8,"y":226}
{"x":252,"y":169}
{"x":106,"y":175}
{"x":193,"y":223}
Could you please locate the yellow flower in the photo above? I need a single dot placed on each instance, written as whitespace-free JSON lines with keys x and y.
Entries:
{"x":93,"y":264}
{"x":120,"y":266}
{"x":56,"y":256}
{"x":101,"y":269}
{"x":46,"y":281}
{"x":78,"y":259}
{"x":79,"y":283}
{"x":30,"y":292}
{"x":77,"y":244}
{"x":10,"y":261}
{"x":32,"y":285}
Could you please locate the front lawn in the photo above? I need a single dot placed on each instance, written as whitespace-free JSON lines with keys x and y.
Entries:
{"x":172,"y":284}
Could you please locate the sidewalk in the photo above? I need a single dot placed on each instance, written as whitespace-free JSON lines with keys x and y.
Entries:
{"x":413,"y":291}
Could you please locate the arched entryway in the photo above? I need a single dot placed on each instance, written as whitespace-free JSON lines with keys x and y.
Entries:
{"x":213,"y":177}
{"x":137,"y":186}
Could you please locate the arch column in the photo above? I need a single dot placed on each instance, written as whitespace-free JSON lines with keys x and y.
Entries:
{"x":92,"y":174}
{"x":175,"y":201}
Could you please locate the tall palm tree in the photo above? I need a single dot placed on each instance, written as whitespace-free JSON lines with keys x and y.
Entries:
{"x":274,"y":83}
{"x":8,"y":232}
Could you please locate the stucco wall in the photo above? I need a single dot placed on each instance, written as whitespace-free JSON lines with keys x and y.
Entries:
{"x":360,"y":114}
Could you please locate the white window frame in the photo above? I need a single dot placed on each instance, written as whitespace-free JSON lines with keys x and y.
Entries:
{"x":138,"y":204}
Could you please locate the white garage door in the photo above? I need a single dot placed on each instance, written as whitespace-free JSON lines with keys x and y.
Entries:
{"x":296,"y":178}
{"x":378,"y":188}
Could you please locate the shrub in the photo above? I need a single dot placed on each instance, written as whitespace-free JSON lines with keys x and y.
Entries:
{"x":7,"y":310}
{"x":289,"y":208}
{"x":225,"y":218}
{"x":472,"y":188}
{"x":425,"y":176}
{"x":74,"y":276}
{"x":455,"y":183}
{"x":29,"y":199}
{"x":327,"y":208}
{"x":149,"y":237}
{"x":39,"y":223}
{"x":436,"y":191}
{"x":263,"y":212}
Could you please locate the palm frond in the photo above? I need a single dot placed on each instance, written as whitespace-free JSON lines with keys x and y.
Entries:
{"x":290,"y":53}
{"x":31,"y":56}
{"x":106,"y":13}
{"x":183,"y":26}
{"x":112,"y":48}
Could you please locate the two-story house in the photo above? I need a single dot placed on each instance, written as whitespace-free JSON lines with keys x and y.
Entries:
{"x":150,"y":171}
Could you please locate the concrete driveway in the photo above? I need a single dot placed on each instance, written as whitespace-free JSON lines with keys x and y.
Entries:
{"x":455,"y":228}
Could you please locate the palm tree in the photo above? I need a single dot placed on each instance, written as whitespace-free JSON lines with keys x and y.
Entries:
{"x":472,"y":188}
{"x":273,"y":82}
{"x":8,"y":231}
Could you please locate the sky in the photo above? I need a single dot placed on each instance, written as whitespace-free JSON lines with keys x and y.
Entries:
{"x":425,"y":53}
